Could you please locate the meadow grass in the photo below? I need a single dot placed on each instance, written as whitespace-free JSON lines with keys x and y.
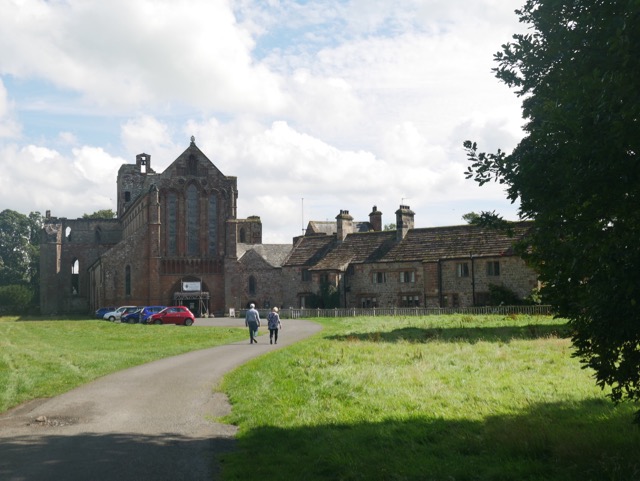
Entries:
{"x":431,"y":398}
{"x":40,"y":359}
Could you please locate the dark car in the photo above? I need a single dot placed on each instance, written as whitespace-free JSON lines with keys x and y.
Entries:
{"x":173,"y":315}
{"x":131,"y":317}
{"x":148,"y":311}
{"x":103,"y":310}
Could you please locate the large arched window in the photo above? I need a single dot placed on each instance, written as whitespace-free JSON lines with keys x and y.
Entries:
{"x":172,"y":210}
{"x":213,"y":225}
{"x":193,"y":226}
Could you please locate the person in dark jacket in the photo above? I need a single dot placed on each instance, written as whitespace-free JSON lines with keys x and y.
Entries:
{"x":274,"y":324}
{"x":252,"y":321}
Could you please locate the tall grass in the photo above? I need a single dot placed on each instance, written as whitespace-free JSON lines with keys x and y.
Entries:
{"x":442,"y":398}
{"x":45,"y":358}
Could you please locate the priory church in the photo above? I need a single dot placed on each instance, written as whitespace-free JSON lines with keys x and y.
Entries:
{"x":177,"y":240}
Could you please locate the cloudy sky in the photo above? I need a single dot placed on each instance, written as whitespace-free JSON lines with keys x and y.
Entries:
{"x":314,"y":105}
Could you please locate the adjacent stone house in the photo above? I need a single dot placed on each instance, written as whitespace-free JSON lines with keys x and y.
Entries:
{"x":177,"y":240}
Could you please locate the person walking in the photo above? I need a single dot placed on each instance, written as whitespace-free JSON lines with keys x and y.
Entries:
{"x":252,"y":321}
{"x":274,"y":324}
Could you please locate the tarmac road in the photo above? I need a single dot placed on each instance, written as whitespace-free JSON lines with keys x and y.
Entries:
{"x":151,"y":422}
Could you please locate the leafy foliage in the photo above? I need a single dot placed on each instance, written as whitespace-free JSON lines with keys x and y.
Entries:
{"x":20,"y":250}
{"x":576,"y":173}
{"x":101,"y":214}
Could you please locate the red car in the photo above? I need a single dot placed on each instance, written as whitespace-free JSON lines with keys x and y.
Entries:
{"x":173,"y":315}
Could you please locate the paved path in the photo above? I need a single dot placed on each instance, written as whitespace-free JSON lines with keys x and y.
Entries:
{"x":151,"y":422}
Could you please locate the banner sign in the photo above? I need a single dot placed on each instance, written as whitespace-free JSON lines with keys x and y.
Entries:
{"x":191,"y":286}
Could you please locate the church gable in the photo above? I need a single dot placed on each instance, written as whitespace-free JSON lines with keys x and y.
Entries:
{"x":192,"y":163}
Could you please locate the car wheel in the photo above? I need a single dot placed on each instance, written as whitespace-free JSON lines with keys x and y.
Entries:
{"x":112,"y":319}
{"x":131,"y":320}
{"x":188,"y":321}
{"x":157,"y":321}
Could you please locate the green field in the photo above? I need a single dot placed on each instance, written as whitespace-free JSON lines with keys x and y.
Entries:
{"x":433,"y":398}
{"x":40,"y":359}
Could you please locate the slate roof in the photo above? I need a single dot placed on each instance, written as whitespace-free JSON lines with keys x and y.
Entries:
{"x":331,"y":227}
{"x":421,"y":245}
{"x":273,"y":254}
{"x":309,"y":250}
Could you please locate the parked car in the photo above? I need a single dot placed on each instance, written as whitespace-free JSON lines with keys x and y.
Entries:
{"x":103,"y":310}
{"x":119,"y":312}
{"x":173,"y":315}
{"x":132,"y":317}
{"x":148,"y":311}
{"x":141,"y":315}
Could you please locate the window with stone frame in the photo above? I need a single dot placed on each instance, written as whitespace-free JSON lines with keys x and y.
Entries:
{"x":172,"y":228}
{"x":407,"y":277}
{"x":368,"y":302}
{"x":462,"y":269}
{"x":379,"y":277}
{"x":193,"y":224}
{"x":410,"y":301}
{"x":252,"y":285}
{"x":493,"y":268}
{"x":213,"y":225}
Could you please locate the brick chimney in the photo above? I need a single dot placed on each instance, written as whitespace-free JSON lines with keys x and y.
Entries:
{"x":375,"y":219}
{"x":345,"y":224}
{"x":404,"y":221}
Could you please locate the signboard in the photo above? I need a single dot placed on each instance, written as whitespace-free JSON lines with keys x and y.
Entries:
{"x":191,"y":286}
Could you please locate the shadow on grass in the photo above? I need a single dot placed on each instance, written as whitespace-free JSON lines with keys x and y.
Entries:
{"x":551,"y":442}
{"x":457,"y":334}
{"x":45,"y":455}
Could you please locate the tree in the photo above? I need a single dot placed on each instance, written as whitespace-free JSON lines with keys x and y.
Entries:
{"x":576,"y":173}
{"x":20,"y":250}
{"x":471,"y":218}
{"x":389,"y":227}
{"x":101,"y":214}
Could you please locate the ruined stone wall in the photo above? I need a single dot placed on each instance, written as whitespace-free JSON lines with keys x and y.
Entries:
{"x":65,"y":284}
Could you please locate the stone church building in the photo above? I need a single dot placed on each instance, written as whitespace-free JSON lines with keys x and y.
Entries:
{"x":177,"y":240}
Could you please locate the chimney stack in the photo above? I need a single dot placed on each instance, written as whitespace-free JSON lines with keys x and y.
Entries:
{"x":375,"y":219}
{"x":404,"y":221}
{"x":345,"y":224}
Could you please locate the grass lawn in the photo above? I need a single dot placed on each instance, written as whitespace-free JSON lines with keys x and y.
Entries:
{"x":432,"y":398}
{"x":40,"y":359}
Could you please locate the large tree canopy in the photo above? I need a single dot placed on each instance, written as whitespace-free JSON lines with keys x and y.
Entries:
{"x":576,"y":172}
{"x":19,"y":259}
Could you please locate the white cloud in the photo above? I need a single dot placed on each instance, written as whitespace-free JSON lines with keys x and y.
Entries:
{"x":345,"y":104}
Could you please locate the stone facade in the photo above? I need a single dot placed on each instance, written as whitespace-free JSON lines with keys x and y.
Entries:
{"x":177,"y":240}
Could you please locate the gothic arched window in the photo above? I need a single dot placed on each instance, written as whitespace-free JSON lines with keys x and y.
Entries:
{"x":192,"y":227}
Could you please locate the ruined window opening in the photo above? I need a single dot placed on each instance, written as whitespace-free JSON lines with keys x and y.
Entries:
{"x":75,"y":277}
{"x":127,"y":281}
{"x":252,"y":285}
{"x":193,"y":226}
{"x":67,"y":233}
{"x":242,"y":235}
{"x":127,"y":196}
{"x":98,"y":235}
